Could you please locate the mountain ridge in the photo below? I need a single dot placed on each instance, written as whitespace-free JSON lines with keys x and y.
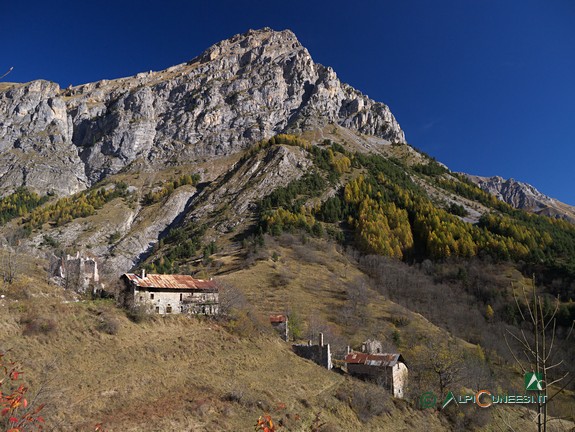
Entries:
{"x":524,"y":196}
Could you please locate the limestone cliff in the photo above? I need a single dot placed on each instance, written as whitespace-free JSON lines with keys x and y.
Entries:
{"x":36,"y":147}
{"x":239,"y":91}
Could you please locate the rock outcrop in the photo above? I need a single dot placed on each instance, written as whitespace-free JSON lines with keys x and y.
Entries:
{"x":232,"y":197}
{"x":36,"y":147}
{"x":138,"y":228}
{"x":237,"y":92}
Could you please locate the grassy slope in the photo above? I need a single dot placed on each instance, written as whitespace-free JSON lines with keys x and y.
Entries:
{"x":180,"y":374}
{"x":313,"y":280}
{"x":166,"y":374}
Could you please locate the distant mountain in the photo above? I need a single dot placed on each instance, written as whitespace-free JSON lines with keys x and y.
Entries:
{"x":524,"y":196}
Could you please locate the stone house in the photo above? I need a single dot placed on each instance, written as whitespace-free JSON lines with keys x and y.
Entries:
{"x":387,"y":370}
{"x":280,"y":324}
{"x":173,"y":294}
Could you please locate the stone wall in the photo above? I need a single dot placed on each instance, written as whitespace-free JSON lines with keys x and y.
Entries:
{"x":319,"y":354}
{"x":399,"y":380}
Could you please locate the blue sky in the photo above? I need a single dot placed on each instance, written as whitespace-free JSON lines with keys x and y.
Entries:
{"x":485,"y":86}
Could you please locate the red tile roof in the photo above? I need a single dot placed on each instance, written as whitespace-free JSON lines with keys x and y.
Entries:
{"x":278,"y":318}
{"x":373,"y":359}
{"x":183,"y":282}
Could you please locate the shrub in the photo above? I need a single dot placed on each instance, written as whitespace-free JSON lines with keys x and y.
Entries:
{"x":138,"y":313}
{"x":234,"y":396}
{"x":457,"y":210}
{"x":108,"y":324}
{"x":295,"y":325}
{"x":246,"y":323}
{"x":16,"y":415}
{"x":36,"y":325}
{"x":50,"y":241}
{"x":281,"y":278}
{"x":114,"y":237}
{"x":400,"y":321}
{"x":369,"y":403}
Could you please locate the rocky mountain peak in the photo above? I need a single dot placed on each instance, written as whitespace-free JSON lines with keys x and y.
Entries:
{"x":239,"y":91}
{"x":253,"y":44}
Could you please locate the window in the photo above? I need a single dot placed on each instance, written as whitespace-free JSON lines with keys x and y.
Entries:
{"x":157,"y":309}
{"x":152,"y":296}
{"x":168,"y":309}
{"x":181,"y":296}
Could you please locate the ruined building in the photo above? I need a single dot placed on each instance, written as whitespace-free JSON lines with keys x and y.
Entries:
{"x":78,"y":273}
{"x":319,"y":354}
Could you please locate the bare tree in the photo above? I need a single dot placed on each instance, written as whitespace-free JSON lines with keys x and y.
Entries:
{"x":9,"y":264}
{"x":354,"y":312}
{"x":537,"y":349}
{"x":230,"y":298}
{"x":438,"y":365}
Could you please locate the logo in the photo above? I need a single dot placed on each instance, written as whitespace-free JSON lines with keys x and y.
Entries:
{"x":448,"y":399}
{"x":484,"y":398}
{"x":427,"y":400}
{"x":533,"y":381}
{"x":485,"y":403}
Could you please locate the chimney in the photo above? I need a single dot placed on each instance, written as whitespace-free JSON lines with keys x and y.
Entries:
{"x":321,"y":339}
{"x":143,"y":273}
{"x":348,"y":350}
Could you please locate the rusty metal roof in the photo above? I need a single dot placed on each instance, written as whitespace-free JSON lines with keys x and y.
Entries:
{"x":277,"y":319}
{"x":380,"y":360}
{"x":183,"y":282}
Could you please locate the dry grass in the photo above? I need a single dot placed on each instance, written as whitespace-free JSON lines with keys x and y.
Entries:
{"x":4,"y":86}
{"x":177,"y":373}
{"x":171,"y":373}
{"x":315,"y":280}
{"x":167,"y":374}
